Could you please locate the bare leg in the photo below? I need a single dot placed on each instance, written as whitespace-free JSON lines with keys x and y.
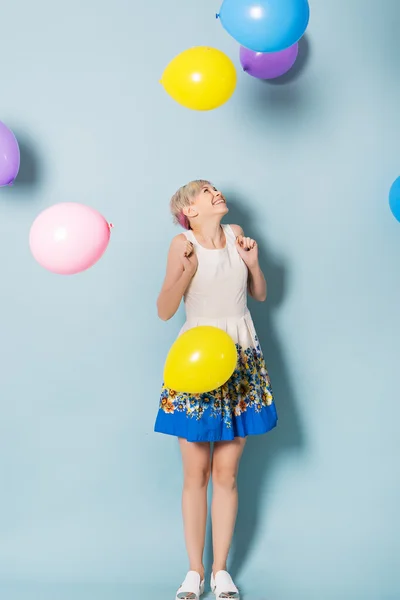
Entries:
{"x":196,"y":473}
{"x":225,"y":465}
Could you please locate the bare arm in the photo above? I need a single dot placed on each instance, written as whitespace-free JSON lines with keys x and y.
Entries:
{"x":257,"y":284}
{"x":248,"y":250}
{"x":181,"y":267}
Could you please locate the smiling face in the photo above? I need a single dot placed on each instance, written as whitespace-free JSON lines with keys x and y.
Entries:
{"x":209,"y":203}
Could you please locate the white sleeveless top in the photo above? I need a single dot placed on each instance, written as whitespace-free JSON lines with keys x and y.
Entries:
{"x":217,"y":294}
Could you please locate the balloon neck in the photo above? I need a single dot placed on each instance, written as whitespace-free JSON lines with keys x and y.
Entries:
{"x":111,"y":226}
{"x":8,"y":183}
{"x":245,"y":69}
{"x":217,"y":16}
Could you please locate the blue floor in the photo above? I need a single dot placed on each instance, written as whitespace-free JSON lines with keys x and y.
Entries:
{"x":35,"y":591}
{"x":115,"y":591}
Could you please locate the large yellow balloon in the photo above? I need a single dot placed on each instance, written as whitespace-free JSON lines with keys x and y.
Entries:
{"x":202,"y":359}
{"x":200,"y":78}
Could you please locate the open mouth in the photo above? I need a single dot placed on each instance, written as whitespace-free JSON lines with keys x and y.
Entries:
{"x":219,"y":201}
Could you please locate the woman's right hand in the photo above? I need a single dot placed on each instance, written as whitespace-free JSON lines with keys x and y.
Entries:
{"x":181,"y":267}
{"x":189,"y":258}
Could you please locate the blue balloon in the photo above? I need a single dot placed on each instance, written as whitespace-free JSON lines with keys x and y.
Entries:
{"x":394,"y":199}
{"x":265,"y":25}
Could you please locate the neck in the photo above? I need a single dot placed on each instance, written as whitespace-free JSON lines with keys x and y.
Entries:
{"x":209,"y":232}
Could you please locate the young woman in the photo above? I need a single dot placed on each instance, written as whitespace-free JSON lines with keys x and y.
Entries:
{"x":213,"y":266}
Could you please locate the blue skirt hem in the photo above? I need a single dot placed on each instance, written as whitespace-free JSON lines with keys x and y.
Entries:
{"x":215,"y":429}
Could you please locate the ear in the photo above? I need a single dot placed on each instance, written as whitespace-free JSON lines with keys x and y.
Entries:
{"x":190,"y":212}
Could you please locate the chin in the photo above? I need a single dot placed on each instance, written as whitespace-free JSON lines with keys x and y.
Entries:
{"x":223,"y":209}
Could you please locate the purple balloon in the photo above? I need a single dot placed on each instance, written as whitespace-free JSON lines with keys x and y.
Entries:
{"x":268,"y":65}
{"x":9,"y":156}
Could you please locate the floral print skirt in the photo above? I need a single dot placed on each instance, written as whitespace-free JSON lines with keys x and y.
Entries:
{"x":243,"y":406}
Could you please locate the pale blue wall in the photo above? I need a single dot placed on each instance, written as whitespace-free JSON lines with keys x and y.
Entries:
{"x":88,"y":492}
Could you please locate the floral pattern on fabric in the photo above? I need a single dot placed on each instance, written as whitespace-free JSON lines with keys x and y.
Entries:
{"x":249,"y":389}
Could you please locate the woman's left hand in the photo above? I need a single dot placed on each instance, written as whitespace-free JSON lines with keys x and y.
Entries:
{"x":248,"y":250}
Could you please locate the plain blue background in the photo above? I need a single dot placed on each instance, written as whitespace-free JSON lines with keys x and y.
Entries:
{"x":90,"y":497}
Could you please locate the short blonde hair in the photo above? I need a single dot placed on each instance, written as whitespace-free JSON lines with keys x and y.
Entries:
{"x":184,"y":198}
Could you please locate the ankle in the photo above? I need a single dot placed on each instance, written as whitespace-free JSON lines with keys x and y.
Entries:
{"x":218,"y":567}
{"x":199,"y":570}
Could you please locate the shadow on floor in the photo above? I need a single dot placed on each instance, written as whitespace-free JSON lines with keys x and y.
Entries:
{"x":262,"y":453}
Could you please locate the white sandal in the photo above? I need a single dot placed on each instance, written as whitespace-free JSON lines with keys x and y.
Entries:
{"x":222,"y":586}
{"x":192,"y":588}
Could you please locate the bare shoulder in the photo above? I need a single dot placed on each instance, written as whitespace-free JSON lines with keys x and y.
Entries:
{"x":237,"y":230}
{"x":177,"y":240}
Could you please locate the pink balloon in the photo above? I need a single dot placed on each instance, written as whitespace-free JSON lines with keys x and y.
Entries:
{"x":68,"y":238}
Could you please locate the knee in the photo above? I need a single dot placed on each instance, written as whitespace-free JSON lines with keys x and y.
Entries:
{"x":196,"y":478}
{"x":224,"y":478}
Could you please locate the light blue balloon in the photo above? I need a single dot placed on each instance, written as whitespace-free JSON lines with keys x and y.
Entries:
{"x":265,"y":25}
{"x":394,"y":199}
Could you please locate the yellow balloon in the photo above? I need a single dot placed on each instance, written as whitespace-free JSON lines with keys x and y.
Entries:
{"x":200,"y":78}
{"x":201,"y":360}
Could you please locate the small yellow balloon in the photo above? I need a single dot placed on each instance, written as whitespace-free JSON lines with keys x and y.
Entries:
{"x":200,"y":78}
{"x":201,"y":360}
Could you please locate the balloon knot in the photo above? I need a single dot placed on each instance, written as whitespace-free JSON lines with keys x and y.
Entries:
{"x":245,"y":69}
{"x":217,"y":16}
{"x":111,"y":225}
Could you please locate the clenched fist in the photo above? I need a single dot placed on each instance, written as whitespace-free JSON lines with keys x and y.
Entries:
{"x":248,"y":250}
{"x":188,"y":257}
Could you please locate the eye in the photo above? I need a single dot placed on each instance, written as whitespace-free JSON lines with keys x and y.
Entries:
{"x":206,"y":190}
